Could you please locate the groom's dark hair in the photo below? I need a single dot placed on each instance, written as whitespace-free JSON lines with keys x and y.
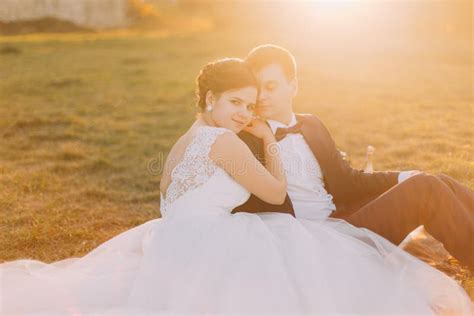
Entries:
{"x":268,"y":54}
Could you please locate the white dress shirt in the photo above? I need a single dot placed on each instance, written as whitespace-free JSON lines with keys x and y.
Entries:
{"x":303,"y":174}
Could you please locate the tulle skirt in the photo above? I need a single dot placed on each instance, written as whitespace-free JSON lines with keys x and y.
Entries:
{"x":234,"y":264}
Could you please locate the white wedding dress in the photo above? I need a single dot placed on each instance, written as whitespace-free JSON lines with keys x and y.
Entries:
{"x":201,"y":259}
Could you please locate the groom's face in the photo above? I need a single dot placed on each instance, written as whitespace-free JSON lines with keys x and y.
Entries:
{"x":276,"y":92}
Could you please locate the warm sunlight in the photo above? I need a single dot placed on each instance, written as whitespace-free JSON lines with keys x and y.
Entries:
{"x":197,"y":157}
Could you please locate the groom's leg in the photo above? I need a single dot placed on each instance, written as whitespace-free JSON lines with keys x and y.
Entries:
{"x":440,"y":203}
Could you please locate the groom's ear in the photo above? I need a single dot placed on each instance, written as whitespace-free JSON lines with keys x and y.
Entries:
{"x":294,"y":86}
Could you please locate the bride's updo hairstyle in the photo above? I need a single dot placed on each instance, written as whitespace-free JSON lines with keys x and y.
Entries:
{"x":222,"y":75}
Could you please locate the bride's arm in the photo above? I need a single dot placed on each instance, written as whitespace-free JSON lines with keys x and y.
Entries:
{"x":272,"y":159}
{"x":234,"y":156}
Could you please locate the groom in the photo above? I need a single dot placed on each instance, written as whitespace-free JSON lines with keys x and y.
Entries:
{"x":321,"y":183}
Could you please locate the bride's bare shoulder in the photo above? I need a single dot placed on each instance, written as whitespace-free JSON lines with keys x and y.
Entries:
{"x":228,"y":146}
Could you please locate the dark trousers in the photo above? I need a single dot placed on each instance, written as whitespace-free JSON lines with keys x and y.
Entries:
{"x":444,"y":206}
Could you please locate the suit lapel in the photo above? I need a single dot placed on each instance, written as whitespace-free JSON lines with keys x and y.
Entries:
{"x":315,"y":137}
{"x":268,"y":124}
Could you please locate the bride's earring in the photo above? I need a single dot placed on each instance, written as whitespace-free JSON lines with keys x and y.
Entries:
{"x":209,"y":108}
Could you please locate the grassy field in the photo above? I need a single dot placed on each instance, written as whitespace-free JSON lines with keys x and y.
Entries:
{"x":87,"y":119}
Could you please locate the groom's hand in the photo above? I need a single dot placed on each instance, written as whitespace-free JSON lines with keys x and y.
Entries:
{"x":403,"y":175}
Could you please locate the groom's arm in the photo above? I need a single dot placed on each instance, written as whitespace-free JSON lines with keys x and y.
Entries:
{"x":254,"y":204}
{"x":345,"y":182}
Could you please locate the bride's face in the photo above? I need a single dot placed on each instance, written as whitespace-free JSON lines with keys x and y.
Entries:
{"x":233,"y":109}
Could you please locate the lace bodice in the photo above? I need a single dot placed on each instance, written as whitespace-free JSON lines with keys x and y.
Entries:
{"x":191,"y":186}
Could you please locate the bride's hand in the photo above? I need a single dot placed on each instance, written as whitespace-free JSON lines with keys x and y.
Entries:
{"x":259,"y":128}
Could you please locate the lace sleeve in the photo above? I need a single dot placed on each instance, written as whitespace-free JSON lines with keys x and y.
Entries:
{"x":162,"y":205}
{"x":195,"y":168}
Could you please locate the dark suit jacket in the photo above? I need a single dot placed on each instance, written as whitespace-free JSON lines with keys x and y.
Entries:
{"x":351,"y":188}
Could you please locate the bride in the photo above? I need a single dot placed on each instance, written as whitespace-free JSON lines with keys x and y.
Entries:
{"x":201,"y":259}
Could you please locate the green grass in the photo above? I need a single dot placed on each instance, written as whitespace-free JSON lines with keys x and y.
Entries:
{"x":85,"y":121}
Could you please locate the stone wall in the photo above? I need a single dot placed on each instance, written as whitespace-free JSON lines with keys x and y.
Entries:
{"x":89,"y":13}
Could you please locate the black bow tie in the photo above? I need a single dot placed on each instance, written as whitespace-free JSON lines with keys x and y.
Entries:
{"x":281,"y":132}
